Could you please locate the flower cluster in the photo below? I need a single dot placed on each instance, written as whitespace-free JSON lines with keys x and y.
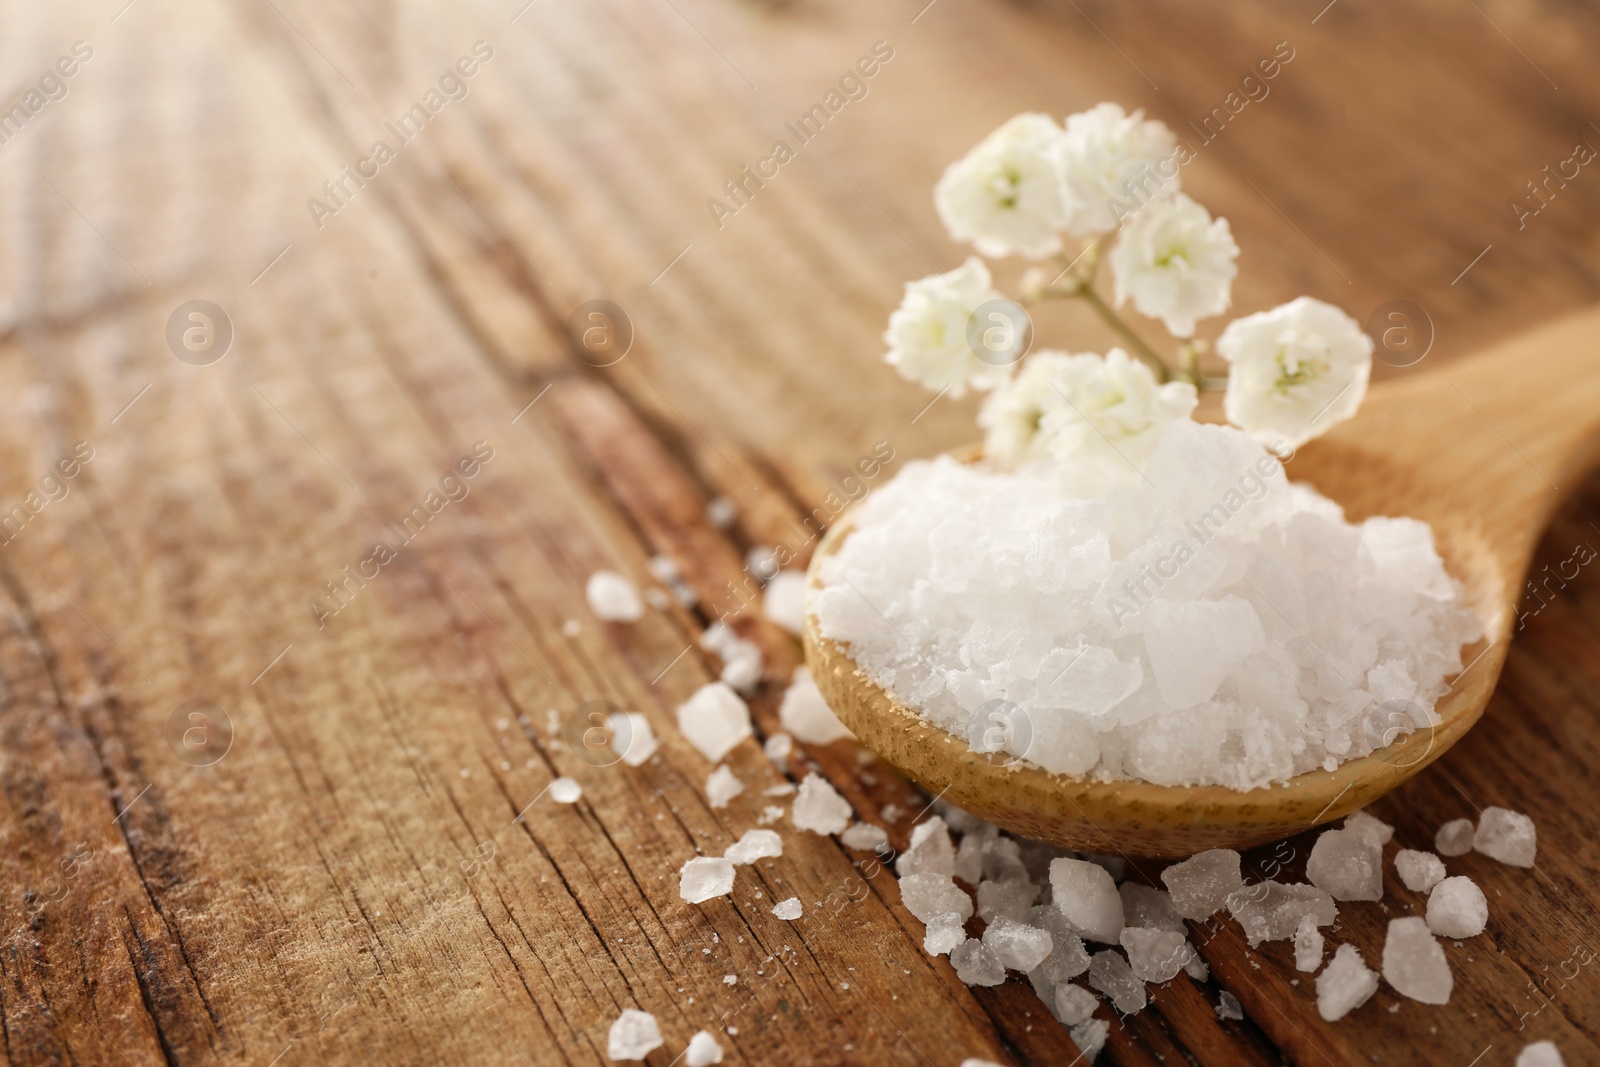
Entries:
{"x":1034,"y":185}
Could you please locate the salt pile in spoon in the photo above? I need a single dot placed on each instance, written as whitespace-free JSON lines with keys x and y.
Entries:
{"x":1191,"y":618}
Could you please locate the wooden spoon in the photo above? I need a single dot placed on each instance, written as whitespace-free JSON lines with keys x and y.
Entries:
{"x":1481,"y":449}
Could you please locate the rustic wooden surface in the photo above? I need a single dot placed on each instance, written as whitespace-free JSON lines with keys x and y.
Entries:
{"x":352,"y":882}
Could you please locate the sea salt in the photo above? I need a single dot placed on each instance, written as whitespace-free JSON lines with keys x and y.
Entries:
{"x":1347,"y":865}
{"x":929,"y":895}
{"x":1273,"y":911}
{"x":632,"y":739}
{"x":818,"y":807}
{"x":1090,"y":1037}
{"x":1017,"y":946}
{"x":1414,"y":962}
{"x":969,"y":859}
{"x":976,"y":963}
{"x":1087,"y":896}
{"x":1155,"y":955}
{"x":1540,"y":1054}
{"x":1191,"y":621}
{"x":1307,"y":944}
{"x":866,"y":837}
{"x":703,"y":1050}
{"x":788,"y":909}
{"x":705,"y":877}
{"x":1201,"y":885}
{"x":1420,"y":871}
{"x":722,"y":786}
{"x":1345,"y":984}
{"x":1011,"y":899}
{"x":1374,"y":829}
{"x":784,"y":601}
{"x":714,"y":720}
{"x":1228,"y":1007}
{"x":613,"y":598}
{"x":778,"y":748}
{"x":1074,"y":1003}
{"x":565,"y":791}
{"x":1507,"y":836}
{"x":1111,"y":975}
{"x":1454,"y":838}
{"x":741,"y":659}
{"x":1068,"y":958}
{"x":1148,"y":907}
{"x":806,"y":715}
{"x":721,"y":512}
{"x":1457,"y":908}
{"x":754,"y":845}
{"x":633,"y":1036}
{"x":930,"y":851}
{"x":944,"y":932}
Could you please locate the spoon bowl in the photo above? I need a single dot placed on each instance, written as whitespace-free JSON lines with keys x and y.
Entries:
{"x":1482,"y":449}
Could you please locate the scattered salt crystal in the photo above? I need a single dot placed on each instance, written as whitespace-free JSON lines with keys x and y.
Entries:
{"x":930,"y":895}
{"x":930,"y":851}
{"x":1228,"y":1007}
{"x":1197,"y":969}
{"x":1090,"y":1037}
{"x":1074,"y":1003}
{"x":721,"y":512}
{"x":1454,"y":838}
{"x":769,"y":815}
{"x":805,"y":714}
{"x":754,"y":845}
{"x":1153,"y":908}
{"x":1345,"y":984}
{"x":1347,"y":865}
{"x":1457,"y":908}
{"x":1540,"y":1054}
{"x":714,"y":720}
{"x":975,"y":962}
{"x":761,"y":561}
{"x":969,"y":859}
{"x":866,"y":837}
{"x":613,"y":598}
{"x":1002,"y":858}
{"x":565,"y":791}
{"x":1111,"y":975}
{"x":1201,"y":885}
{"x":1012,"y":899}
{"x":788,"y":909}
{"x":631,"y":737}
{"x":784,"y":601}
{"x":1155,"y":955}
{"x":818,"y":807}
{"x":1414,"y":962}
{"x":1018,"y":947}
{"x":741,"y":659}
{"x":777,"y":747}
{"x":722,"y":786}
{"x":1067,"y":958}
{"x":1087,"y":896}
{"x":782,"y":789}
{"x":1272,"y":911}
{"x":1371,"y":827}
{"x":944,"y":933}
{"x":705,"y":877}
{"x":703,"y":1050}
{"x":1507,"y":836}
{"x":1420,"y":871}
{"x":1307,"y":944}
{"x":633,"y":1036}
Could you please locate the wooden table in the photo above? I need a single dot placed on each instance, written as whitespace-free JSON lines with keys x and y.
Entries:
{"x":372,"y":871}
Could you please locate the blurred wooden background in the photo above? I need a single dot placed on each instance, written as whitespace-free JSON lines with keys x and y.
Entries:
{"x":351,"y":881}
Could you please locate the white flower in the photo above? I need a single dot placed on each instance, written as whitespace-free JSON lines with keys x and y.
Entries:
{"x":1005,"y":195}
{"x":1112,"y":164}
{"x":1176,"y":262}
{"x":927,"y":335}
{"x":1295,"y":372}
{"x":1070,"y":407}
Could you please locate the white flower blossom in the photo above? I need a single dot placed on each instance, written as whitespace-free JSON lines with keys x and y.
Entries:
{"x":1112,"y":164}
{"x":927,"y":335}
{"x":1176,"y":262}
{"x":1068,"y":407}
{"x":1005,"y":195}
{"x":1296,"y":371}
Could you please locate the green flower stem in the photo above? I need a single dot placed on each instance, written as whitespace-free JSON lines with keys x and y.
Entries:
{"x":1123,"y":330}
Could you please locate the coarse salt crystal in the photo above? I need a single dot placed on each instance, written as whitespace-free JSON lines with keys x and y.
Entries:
{"x":1540,"y":1054}
{"x":1155,"y":955}
{"x":1420,"y":871}
{"x":1111,"y":975}
{"x":784,"y":601}
{"x":1457,"y":908}
{"x":928,"y":896}
{"x":565,"y":791}
{"x":1017,"y":946}
{"x":714,"y":720}
{"x":1090,"y":1037}
{"x":1273,"y":911}
{"x":754,"y":845}
{"x":806,"y":715}
{"x":705,"y":877}
{"x":1201,"y":885}
{"x":1345,"y":984}
{"x":1414,"y":962}
{"x":631,"y":737}
{"x":1307,"y":944}
{"x":1228,"y":1007}
{"x":1371,"y":827}
{"x":1507,"y":836}
{"x":976,"y":963}
{"x":818,"y":807}
{"x":1347,"y":865}
{"x":1074,"y":1003}
{"x":722,"y":785}
{"x":1151,"y":908}
{"x":1454,"y":838}
{"x":633,"y":1036}
{"x":930,"y":850}
{"x":703,"y":1050}
{"x":866,"y":837}
{"x":944,"y":932}
{"x":613,"y":598}
{"x":1087,"y":896}
{"x":788,"y":909}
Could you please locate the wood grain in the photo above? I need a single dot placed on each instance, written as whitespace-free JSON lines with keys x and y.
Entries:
{"x":371,"y":873}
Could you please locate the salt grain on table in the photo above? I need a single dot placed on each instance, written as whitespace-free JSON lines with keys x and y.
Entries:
{"x":818,"y":807}
{"x":1454,"y":838}
{"x":1090,"y":1037}
{"x":1010,"y":899}
{"x":1228,"y":1007}
{"x":1273,"y":911}
{"x":866,"y":837}
{"x":784,"y":601}
{"x":714,"y":720}
{"x":806,"y":715}
{"x":1507,"y":836}
{"x":1201,"y":885}
{"x":703,"y":1050}
{"x":975,"y":962}
{"x":565,"y":791}
{"x":1087,"y":896}
{"x":1457,"y":908}
{"x":1111,"y":975}
{"x":613,"y":598}
{"x":1345,"y":984}
{"x":705,"y":877}
{"x":1420,"y":871}
{"x":930,"y":851}
{"x":944,"y":933}
{"x":1347,"y":865}
{"x":788,"y":909}
{"x":1307,"y":944}
{"x":1155,"y":955}
{"x":930,"y":895}
{"x":633,"y":1036}
{"x":1540,"y":1054}
{"x":631,"y":737}
{"x":754,"y":845}
{"x":741,"y":659}
{"x":722,"y":786}
{"x":1017,"y":946}
{"x":1074,"y":1003}
{"x":1374,"y":829}
{"x":1145,"y":906}
{"x":1414,"y":962}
